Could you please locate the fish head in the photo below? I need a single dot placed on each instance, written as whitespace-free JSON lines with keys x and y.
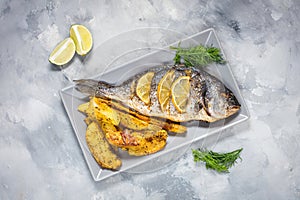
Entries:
{"x":221,"y":103}
{"x":231,"y":103}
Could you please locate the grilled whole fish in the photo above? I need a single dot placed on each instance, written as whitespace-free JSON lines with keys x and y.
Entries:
{"x":209,"y":99}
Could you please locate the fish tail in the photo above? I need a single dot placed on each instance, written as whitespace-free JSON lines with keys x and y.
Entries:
{"x":86,"y":86}
{"x":92,"y":87}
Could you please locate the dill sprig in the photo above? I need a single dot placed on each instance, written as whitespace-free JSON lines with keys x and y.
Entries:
{"x":197,"y":56}
{"x":221,"y":162}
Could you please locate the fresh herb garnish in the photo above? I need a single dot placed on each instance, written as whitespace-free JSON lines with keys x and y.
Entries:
{"x":221,"y":162}
{"x":197,"y":56}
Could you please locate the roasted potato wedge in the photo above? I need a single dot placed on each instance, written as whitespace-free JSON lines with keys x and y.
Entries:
{"x":100,"y":148}
{"x":100,"y":111}
{"x":137,"y":143}
{"x":136,"y":121}
{"x":105,"y":112}
{"x":148,"y":142}
{"x":84,"y":107}
{"x":132,"y":122}
{"x":174,"y":128}
{"x":111,"y":125}
{"x":120,"y":107}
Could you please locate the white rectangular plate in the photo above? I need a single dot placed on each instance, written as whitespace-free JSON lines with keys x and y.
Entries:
{"x":176,"y":145}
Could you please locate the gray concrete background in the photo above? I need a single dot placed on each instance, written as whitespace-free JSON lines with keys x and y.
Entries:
{"x":39,"y":154}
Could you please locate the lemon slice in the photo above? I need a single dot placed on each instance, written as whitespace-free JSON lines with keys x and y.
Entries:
{"x":82,"y":38}
{"x":143,"y":87}
{"x":180,"y":91}
{"x":164,"y":89}
{"x":63,"y":52}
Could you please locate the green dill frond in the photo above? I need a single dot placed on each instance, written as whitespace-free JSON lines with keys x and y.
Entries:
{"x":197,"y":56}
{"x":221,"y":162}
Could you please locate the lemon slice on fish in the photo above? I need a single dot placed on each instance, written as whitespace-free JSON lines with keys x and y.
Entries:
{"x":82,"y":38}
{"x":180,"y":91}
{"x":143,"y":87}
{"x":164,"y":89}
{"x":63,"y":52}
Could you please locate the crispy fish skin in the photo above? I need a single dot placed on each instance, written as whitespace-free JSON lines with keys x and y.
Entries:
{"x":100,"y":148}
{"x":210,"y":100}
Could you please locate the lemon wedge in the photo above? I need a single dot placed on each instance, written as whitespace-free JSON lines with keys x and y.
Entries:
{"x":63,"y":52}
{"x":164,"y":89}
{"x":82,"y":38}
{"x":180,"y":91}
{"x":143,"y":87}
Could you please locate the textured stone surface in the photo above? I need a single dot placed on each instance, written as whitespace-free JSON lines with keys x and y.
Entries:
{"x":40,"y":156}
